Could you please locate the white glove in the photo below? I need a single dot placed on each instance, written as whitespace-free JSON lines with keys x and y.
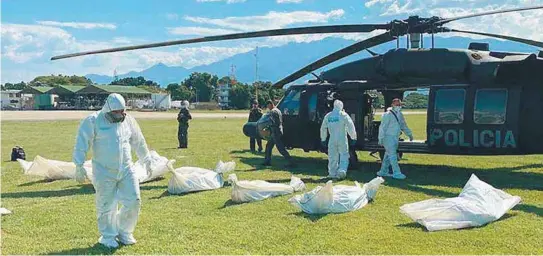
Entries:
{"x":410,"y":137}
{"x":80,"y":174}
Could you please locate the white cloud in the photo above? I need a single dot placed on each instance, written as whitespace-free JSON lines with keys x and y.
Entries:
{"x":396,"y":9}
{"x":80,"y":25}
{"x":525,"y":24}
{"x":289,"y":1}
{"x":271,"y":20}
{"x":227,"y":1}
{"x":371,"y":3}
{"x":26,"y":50}
{"x":199,"y":31}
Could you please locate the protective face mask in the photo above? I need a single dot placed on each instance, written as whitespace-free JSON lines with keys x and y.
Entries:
{"x":396,"y":108}
{"x":115,"y":117}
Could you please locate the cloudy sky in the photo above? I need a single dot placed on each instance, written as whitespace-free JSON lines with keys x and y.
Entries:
{"x":35,"y":30}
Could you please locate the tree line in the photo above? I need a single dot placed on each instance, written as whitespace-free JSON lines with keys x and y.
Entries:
{"x":201,"y":87}
{"x":204,"y":87}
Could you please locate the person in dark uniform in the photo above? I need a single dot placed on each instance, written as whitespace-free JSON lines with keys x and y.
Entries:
{"x":183,"y":118}
{"x":254,"y":115}
{"x":276,"y":133}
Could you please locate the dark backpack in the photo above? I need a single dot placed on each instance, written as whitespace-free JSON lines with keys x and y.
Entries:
{"x":17,"y":153}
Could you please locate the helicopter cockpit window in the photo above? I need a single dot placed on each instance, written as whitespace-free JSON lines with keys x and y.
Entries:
{"x":312,"y":107}
{"x":449,"y":106}
{"x":490,"y":106}
{"x":290,"y":106}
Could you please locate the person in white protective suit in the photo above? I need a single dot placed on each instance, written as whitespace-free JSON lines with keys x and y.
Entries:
{"x":112,"y":133}
{"x":338,"y":124}
{"x":392,"y":124}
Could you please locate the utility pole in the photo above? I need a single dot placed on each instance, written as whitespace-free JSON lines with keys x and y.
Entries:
{"x":256,"y":73}
{"x":233,"y":74}
{"x":115,"y":77}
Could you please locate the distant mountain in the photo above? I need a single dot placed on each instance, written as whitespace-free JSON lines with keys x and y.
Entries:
{"x":159,"y":73}
{"x":278,"y":62}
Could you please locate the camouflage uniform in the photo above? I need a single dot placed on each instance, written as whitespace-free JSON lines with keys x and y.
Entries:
{"x":254,"y":116}
{"x":277,"y":133}
{"x":182,"y":134}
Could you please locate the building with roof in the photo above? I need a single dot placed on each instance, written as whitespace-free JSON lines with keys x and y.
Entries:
{"x":40,"y":98}
{"x":94,"y":96}
{"x":85,"y":97}
{"x":67,"y":97}
{"x":36,"y":90}
{"x":13,"y":99}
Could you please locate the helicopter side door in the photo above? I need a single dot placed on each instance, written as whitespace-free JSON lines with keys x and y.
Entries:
{"x":292,"y":108}
{"x":473,"y":119}
{"x":313,"y":119}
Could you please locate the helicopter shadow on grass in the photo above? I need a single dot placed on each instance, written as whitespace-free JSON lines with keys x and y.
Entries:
{"x":313,"y":166}
{"x":417,"y":174}
{"x":278,"y":163}
{"x":420,"y":176}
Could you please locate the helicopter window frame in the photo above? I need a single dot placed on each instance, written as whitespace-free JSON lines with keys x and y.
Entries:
{"x":293,"y":97}
{"x":461,"y":118}
{"x":476,"y":119}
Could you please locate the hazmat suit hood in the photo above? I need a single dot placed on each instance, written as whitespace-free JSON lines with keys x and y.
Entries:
{"x":338,"y":105}
{"x":114,"y":102}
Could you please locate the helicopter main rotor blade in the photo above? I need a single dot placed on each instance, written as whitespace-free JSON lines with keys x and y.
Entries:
{"x":511,"y":38}
{"x":352,"y":49}
{"x":441,"y":22}
{"x":361,"y":28}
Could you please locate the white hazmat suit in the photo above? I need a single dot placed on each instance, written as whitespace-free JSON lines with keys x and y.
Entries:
{"x":392,"y":124}
{"x":114,"y":176}
{"x":338,"y":124}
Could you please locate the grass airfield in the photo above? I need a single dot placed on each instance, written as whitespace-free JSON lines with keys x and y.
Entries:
{"x":59,"y":217}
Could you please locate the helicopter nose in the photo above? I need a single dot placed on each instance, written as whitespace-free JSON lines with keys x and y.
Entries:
{"x":250,"y":130}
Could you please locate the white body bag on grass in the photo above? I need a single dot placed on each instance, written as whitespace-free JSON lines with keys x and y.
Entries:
{"x":191,"y":179}
{"x":478,"y":204}
{"x":58,"y":170}
{"x":336,"y":199}
{"x":244,"y":191}
{"x":52,"y":169}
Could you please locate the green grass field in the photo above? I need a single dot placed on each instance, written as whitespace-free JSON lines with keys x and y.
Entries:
{"x":59,"y":217}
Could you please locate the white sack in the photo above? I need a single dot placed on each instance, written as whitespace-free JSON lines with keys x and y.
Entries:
{"x":336,"y":199}
{"x":4,"y":211}
{"x":52,"y":169}
{"x":58,"y":170}
{"x":159,"y":167}
{"x":256,"y":190}
{"x":191,"y":179}
{"x":478,"y":204}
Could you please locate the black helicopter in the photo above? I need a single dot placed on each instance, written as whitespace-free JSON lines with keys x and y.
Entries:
{"x":481,"y":102}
